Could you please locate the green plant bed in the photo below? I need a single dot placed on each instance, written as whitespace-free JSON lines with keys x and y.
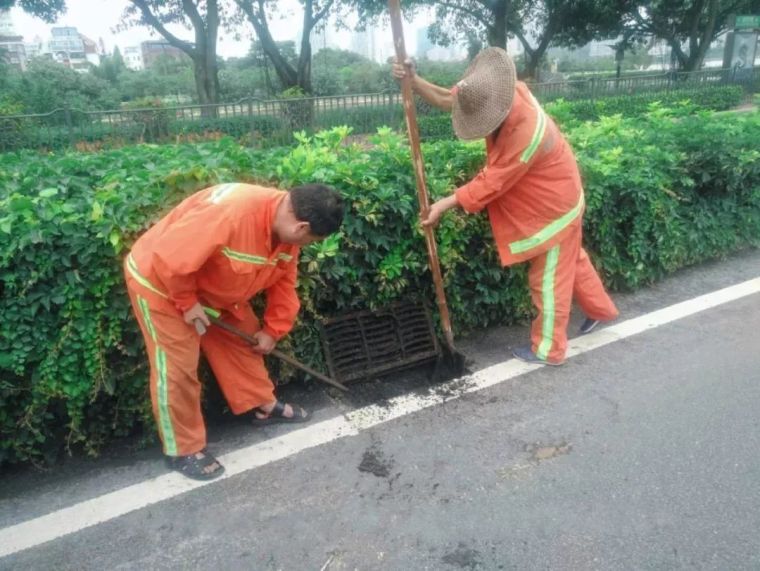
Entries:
{"x":662,"y":193}
{"x":241,"y":127}
{"x":685,"y":100}
{"x":361,"y":120}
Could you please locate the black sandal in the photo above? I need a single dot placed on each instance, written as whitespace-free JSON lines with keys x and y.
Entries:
{"x":277,"y":414}
{"x":194,"y":467}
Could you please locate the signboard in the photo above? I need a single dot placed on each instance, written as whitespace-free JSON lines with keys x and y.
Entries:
{"x":740,"y":53}
{"x":747,"y":22}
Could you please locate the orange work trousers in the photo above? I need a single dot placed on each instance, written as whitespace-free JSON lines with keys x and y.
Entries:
{"x":173,"y":350}
{"x":556,"y":277}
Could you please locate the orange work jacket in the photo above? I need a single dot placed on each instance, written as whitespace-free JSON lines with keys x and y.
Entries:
{"x":530,"y":185}
{"x":216,"y":248}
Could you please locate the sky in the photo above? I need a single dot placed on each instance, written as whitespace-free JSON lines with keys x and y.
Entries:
{"x":97,"y":19}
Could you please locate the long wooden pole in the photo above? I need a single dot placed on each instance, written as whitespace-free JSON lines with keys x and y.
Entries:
{"x":275,"y":353}
{"x":419,"y":172}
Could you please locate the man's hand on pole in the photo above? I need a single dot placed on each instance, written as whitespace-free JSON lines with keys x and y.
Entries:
{"x":196,"y":312}
{"x":437,"y":209}
{"x":399,"y":71}
{"x":266,"y":343}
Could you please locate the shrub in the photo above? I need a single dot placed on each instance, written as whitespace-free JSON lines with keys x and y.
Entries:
{"x":661,"y":192}
{"x":637,"y":104}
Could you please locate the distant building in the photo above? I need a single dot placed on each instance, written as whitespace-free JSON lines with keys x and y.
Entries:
{"x":447,"y":53}
{"x":35,"y":48}
{"x":70,"y":48}
{"x":155,"y":50}
{"x":324,"y":36}
{"x":12,"y":49}
{"x":598,"y":49}
{"x":429,"y":50}
{"x":363,"y":42}
{"x":424,"y":45}
{"x":133,"y":58}
{"x":91,"y":50}
{"x":66,"y":40}
{"x":13,"y":52}
{"x":6,"y":24}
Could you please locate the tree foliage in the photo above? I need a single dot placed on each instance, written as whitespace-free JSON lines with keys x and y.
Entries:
{"x":203,"y":17}
{"x":688,"y":26}
{"x":259,"y":13}
{"x":47,"y":10}
{"x":47,"y":85}
{"x":536,"y":24}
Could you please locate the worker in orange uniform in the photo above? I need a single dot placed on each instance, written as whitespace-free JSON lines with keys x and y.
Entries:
{"x":213,"y":253}
{"x":532,"y":190}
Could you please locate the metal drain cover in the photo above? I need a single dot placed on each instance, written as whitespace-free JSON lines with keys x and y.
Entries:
{"x":369,"y":343}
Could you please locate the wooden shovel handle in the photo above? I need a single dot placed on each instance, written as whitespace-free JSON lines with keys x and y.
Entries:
{"x":419,"y":171}
{"x":279,"y":355}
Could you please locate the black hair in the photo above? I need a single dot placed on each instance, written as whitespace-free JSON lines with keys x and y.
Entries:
{"x":320,"y":206}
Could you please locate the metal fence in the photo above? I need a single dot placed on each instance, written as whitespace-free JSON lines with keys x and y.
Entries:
{"x":262,"y":123}
{"x":683,"y":82}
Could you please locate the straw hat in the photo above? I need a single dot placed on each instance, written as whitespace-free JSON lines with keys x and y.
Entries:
{"x":483,"y":97}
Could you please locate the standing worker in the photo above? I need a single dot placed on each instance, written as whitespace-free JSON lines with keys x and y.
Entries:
{"x":218,"y":249}
{"x":532,"y":190}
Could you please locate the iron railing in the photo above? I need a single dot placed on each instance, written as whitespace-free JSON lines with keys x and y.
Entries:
{"x":597,"y":88}
{"x":262,"y":123}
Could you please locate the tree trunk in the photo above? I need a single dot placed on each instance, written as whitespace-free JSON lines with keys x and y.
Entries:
{"x":497,"y":31}
{"x":202,"y":53}
{"x":205,"y":70}
{"x":699,"y":41}
{"x":533,"y":56}
{"x":699,"y":44}
{"x":207,"y":85}
{"x":286,"y":74}
{"x":532,"y":63}
{"x":304,"y":69}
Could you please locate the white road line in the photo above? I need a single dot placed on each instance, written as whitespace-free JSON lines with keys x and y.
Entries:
{"x":103,"y":508}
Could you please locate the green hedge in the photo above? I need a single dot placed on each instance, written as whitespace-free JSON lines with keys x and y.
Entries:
{"x":570,"y":113}
{"x":686,"y":101}
{"x":662,"y":193}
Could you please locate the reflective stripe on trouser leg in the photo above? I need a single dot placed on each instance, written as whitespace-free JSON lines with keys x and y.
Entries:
{"x":162,"y":388}
{"x":547,"y":300}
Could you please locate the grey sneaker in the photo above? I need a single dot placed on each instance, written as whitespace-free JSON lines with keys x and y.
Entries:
{"x":525,"y":354}
{"x":588,"y":325}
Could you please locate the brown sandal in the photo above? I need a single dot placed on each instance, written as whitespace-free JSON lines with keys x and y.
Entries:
{"x":277,"y":415}
{"x":194,"y":467}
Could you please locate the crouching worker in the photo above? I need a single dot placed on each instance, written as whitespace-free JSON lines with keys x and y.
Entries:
{"x":532,"y":190}
{"x":218,"y":249}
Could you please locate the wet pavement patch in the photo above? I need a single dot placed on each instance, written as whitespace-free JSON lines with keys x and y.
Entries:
{"x":374,"y":462}
{"x":462,"y":557}
{"x":452,"y":389}
{"x":539,"y":452}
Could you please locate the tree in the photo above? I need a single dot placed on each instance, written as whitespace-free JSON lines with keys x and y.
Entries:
{"x":111,"y":67}
{"x":688,"y":26}
{"x":48,"y":85}
{"x":337,"y":72}
{"x":536,"y":24}
{"x":202,"y":51}
{"x":566,"y":23}
{"x":47,"y":10}
{"x":174,"y":79}
{"x":258,"y":13}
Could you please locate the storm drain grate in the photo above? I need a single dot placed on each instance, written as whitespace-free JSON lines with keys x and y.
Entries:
{"x":369,"y":343}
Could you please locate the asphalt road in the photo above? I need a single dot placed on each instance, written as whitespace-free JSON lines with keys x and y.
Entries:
{"x":642,"y":454}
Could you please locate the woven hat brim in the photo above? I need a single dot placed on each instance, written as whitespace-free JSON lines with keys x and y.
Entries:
{"x":492,"y":73}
